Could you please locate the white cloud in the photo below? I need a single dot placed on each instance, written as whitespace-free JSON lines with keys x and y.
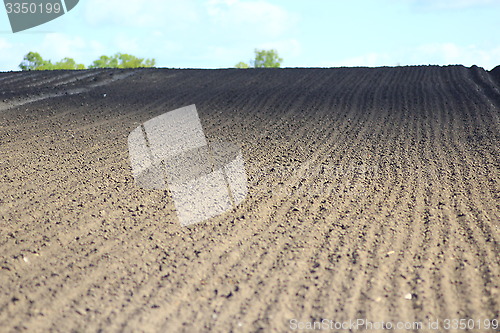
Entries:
{"x":184,"y":33}
{"x":53,"y":47}
{"x":227,"y":56}
{"x":236,"y":27}
{"x":449,"y":53}
{"x":126,"y":44}
{"x":140,"y":13}
{"x":433,"y":54}
{"x":4,"y":45}
{"x":219,"y":56}
{"x":372,"y":59}
{"x":286,"y":48}
{"x":453,"y":4}
{"x":97,"y":47}
{"x":58,"y":45}
{"x":248,"y":18}
{"x":10,"y":56}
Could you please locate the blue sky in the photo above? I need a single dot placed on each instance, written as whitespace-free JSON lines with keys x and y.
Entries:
{"x":314,"y":33}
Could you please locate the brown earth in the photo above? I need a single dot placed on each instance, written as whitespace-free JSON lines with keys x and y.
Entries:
{"x":373,"y":194}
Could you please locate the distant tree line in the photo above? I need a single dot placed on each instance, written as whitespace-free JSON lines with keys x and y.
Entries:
{"x":34,"y":61}
{"x":263,"y":59}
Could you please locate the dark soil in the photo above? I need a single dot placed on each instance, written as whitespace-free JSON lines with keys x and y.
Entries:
{"x":373,"y":194}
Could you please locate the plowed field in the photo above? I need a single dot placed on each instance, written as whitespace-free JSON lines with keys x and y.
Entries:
{"x":373,"y":194}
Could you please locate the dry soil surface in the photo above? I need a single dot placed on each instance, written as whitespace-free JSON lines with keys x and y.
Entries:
{"x":373,"y":194}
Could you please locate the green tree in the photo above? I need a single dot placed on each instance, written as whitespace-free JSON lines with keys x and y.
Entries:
{"x":33,"y":61}
{"x":241,"y":64}
{"x":67,"y":63}
{"x":105,"y":62}
{"x":122,"y":60}
{"x":267,"y":59}
{"x":263,"y":58}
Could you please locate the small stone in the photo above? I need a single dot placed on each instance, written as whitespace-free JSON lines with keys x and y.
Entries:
{"x":80,"y":311}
